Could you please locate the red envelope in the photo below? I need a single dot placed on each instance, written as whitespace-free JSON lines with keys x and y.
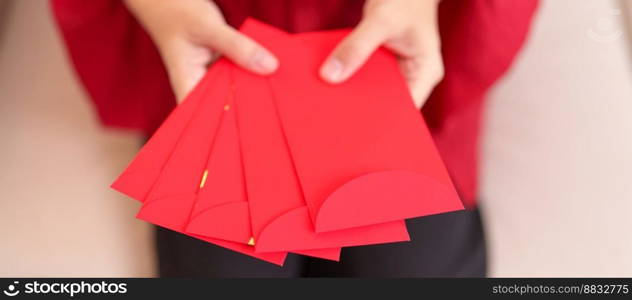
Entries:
{"x":140,"y":175}
{"x":361,"y":150}
{"x":280,"y":219}
{"x":221,"y":207}
{"x":170,"y":201}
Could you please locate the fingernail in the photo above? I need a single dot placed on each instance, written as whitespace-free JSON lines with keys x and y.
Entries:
{"x":332,"y":71}
{"x":264,"y":62}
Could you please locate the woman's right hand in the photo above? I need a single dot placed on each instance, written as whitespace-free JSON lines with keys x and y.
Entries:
{"x":191,"y":34}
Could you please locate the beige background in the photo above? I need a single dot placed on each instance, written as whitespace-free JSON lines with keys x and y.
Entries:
{"x":557,"y":176}
{"x":57,"y":215}
{"x":556,"y":182}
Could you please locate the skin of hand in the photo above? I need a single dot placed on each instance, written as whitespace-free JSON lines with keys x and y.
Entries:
{"x":191,"y":34}
{"x":406,"y":27}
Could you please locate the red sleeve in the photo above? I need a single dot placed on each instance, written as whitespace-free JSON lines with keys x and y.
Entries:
{"x":117,"y":63}
{"x":480,"y":39}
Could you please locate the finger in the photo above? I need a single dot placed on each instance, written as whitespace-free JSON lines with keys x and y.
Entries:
{"x":353,"y":51}
{"x":186,"y":65}
{"x":241,"y":49}
{"x":185,"y":79}
{"x":422,"y":75}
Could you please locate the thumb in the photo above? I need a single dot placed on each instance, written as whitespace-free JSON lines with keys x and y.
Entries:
{"x":241,"y":49}
{"x":353,"y":51}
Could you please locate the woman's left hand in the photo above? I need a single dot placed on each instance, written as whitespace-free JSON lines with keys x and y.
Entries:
{"x":408,"y":28}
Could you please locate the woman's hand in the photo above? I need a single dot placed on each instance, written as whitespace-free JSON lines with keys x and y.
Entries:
{"x":406,"y":27}
{"x":190,"y":34}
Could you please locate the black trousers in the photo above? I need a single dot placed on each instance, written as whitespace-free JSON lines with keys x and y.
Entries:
{"x":445,"y":245}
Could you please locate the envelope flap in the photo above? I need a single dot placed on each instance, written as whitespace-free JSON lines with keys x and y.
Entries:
{"x":294,"y":231}
{"x":407,"y":194}
{"x":228,"y":221}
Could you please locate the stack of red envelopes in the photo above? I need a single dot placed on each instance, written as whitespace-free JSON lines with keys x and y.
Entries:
{"x":266,"y":165}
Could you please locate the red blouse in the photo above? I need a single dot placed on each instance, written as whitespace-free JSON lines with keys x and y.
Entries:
{"x":124,"y":75}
